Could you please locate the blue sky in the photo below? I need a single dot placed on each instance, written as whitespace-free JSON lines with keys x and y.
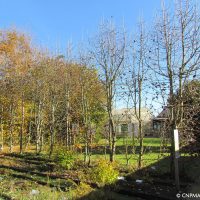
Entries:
{"x":52,"y":23}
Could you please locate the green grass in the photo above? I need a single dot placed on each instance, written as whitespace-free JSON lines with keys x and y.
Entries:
{"x":20,"y":187}
{"x":149,"y":157}
{"x":146,"y":141}
{"x":154,"y":142}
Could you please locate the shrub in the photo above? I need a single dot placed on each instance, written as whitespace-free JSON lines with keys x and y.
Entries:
{"x":82,"y":190}
{"x":104,"y":173}
{"x":65,"y":159}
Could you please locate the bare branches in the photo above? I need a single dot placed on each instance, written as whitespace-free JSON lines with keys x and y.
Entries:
{"x":109,"y":54}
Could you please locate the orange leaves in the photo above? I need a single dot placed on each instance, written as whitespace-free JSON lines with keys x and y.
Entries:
{"x":78,"y":146}
{"x":15,"y":52}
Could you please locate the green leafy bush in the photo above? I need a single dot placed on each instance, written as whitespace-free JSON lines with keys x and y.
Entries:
{"x":104,"y":173}
{"x":66,"y":159}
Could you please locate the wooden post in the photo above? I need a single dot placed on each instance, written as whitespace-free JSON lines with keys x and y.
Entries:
{"x":176,"y":157}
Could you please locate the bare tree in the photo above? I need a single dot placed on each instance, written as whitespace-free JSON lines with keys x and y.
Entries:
{"x":136,"y":81}
{"x":109,"y":54}
{"x":175,"y":58}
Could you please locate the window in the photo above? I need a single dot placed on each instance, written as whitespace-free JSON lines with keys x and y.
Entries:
{"x":156,"y":126}
{"x":124,"y":128}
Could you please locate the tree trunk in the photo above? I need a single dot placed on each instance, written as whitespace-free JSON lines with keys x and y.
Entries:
{"x":67,"y":116}
{"x":52,"y":129}
{"x":11,"y":127}
{"x":22,"y":125}
{"x":28,"y":136}
{"x":141,"y":145}
{"x":41,"y":141}
{"x":38,"y":121}
{"x":2,"y":131}
{"x":86,"y":152}
{"x":172,"y":123}
{"x":139,"y":116}
{"x":113,"y":141}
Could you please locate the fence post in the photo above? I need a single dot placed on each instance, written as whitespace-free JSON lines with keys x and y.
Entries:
{"x":176,"y":157}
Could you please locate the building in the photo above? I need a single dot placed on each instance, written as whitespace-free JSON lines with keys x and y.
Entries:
{"x":159,"y":121}
{"x":126,"y":123}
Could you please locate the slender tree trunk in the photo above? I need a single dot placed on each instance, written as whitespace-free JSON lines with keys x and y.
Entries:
{"x":127,"y":156}
{"x":113,"y":141}
{"x":172,"y":124}
{"x":86,"y":147}
{"x":38,"y":119}
{"x":52,"y":129}
{"x":140,"y":145}
{"x":29,"y":134}
{"x":67,"y":131}
{"x":172,"y":127}
{"x":109,"y":136}
{"x":2,"y":131}
{"x":37,"y":137}
{"x":22,"y":125}
{"x":140,"y":123}
{"x":41,"y":141}
{"x":11,"y":126}
{"x":133,"y":138}
{"x":67,"y":116}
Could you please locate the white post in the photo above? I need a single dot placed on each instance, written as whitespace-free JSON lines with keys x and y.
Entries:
{"x":176,"y":157}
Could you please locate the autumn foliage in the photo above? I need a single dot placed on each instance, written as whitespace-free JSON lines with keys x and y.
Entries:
{"x":45,"y":100}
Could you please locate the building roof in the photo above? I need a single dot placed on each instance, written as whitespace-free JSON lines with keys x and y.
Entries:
{"x":164,"y":114}
{"x":128,"y":115}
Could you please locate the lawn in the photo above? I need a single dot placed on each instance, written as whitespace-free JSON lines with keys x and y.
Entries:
{"x":30,"y":176}
{"x":153,"y":142}
{"x":148,"y":158}
{"x":146,"y":141}
{"x":151,"y":151}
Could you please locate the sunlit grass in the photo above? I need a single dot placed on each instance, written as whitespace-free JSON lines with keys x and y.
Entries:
{"x":148,"y":158}
{"x":122,"y":141}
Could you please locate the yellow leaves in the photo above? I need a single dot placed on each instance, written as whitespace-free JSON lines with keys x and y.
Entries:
{"x":78,"y":146}
{"x":15,"y":52}
{"x":93,"y":145}
{"x":8,"y":42}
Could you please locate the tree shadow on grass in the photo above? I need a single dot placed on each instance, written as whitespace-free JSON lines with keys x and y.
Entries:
{"x":152,"y":182}
{"x":30,"y":156}
{"x":155,"y":180}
